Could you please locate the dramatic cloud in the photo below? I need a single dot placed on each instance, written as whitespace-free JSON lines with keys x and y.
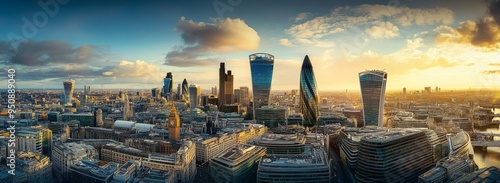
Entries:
{"x":345,"y":18}
{"x":286,"y":42}
{"x":484,"y":32}
{"x":494,"y":10}
{"x":49,"y":52}
{"x":383,"y":30}
{"x":202,"y":39}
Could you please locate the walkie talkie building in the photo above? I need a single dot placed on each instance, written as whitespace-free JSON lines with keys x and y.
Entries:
{"x":308,"y":94}
{"x":372,"y":85}
{"x":261,"y":67}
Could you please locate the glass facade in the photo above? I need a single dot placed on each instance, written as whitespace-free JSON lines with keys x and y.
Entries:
{"x":185,"y":89}
{"x":261,"y":67}
{"x":308,"y":94}
{"x":68,"y":90}
{"x":372,"y":85}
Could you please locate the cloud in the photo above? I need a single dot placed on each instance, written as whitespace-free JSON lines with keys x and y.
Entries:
{"x":302,"y":16}
{"x":286,"y":42}
{"x":494,"y":10}
{"x":383,"y":30}
{"x":408,"y":16}
{"x":491,"y":72}
{"x":494,"y":64}
{"x":345,"y":18}
{"x":202,"y":40}
{"x":414,"y":43}
{"x":125,"y":68}
{"x":484,"y":32}
{"x":47,"y":52}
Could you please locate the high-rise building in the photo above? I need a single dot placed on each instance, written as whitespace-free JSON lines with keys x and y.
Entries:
{"x":214,"y":91}
{"x":194,"y":95}
{"x":308,"y":94}
{"x":404,"y":91}
{"x":185,"y":90}
{"x":69,"y":85}
{"x":372,"y":85}
{"x":86,"y":90}
{"x":168,"y":85}
{"x":261,"y":67}
{"x":179,"y":96}
{"x":174,"y":124}
{"x":428,"y":90}
{"x":225,"y":86}
{"x":244,"y":96}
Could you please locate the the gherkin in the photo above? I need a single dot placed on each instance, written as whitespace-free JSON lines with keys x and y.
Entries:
{"x":308,"y":94}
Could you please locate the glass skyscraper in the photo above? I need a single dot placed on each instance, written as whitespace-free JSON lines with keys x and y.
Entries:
{"x":372,"y":85}
{"x":185,"y":90}
{"x":69,"y":86}
{"x":168,"y":86}
{"x":261,"y":67}
{"x":308,"y":94}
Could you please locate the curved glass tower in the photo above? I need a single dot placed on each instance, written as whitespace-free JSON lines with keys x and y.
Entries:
{"x":69,"y":85}
{"x":261,"y":67}
{"x":372,"y":85}
{"x":308,"y":94}
{"x":185,"y":90}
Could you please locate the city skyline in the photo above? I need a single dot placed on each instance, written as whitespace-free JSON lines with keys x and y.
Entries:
{"x":436,"y":43}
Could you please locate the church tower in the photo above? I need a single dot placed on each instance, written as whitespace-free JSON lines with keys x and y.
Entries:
{"x":174,"y":125}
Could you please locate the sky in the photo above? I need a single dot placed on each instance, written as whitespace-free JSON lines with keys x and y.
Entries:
{"x":131,"y":45}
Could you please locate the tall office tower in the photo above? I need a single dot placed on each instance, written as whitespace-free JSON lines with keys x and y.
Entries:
{"x":174,"y":124}
{"x":222,"y":83}
{"x":153,"y":92}
{"x":244,"y":96}
{"x":198,"y":94}
{"x":237,"y":96}
{"x":69,"y":85}
{"x":178,"y":95}
{"x":261,"y":67}
{"x":86,"y":90}
{"x":193,"y":96}
{"x":372,"y":85}
{"x":225,"y":86}
{"x":168,"y":85}
{"x":404,"y":91}
{"x":185,"y":90}
{"x":214,"y":91}
{"x":308,"y":94}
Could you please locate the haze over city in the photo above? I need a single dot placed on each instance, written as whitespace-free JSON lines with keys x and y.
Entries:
{"x":131,"y":46}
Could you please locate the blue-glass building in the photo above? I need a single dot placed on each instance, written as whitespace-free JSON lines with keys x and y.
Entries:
{"x":261,"y":67}
{"x":168,"y":85}
{"x":372,"y":85}
{"x":308,"y":94}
